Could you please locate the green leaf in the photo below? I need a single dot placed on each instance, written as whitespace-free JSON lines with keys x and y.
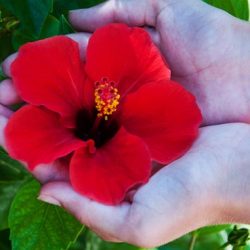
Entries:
{"x":5,"y":46}
{"x":65,"y":27}
{"x":213,"y":229}
{"x":238,"y":238}
{"x":63,"y":6}
{"x":35,"y":225}
{"x":12,"y":176}
{"x":5,"y":243}
{"x":31,"y":13}
{"x":8,"y":189}
{"x":31,"y":16}
{"x":237,"y":8}
{"x":207,"y":242}
{"x":2,"y":75}
{"x":21,"y":37}
{"x":7,"y":24}
{"x":90,"y":241}
{"x":10,"y":169}
{"x":181,"y":243}
{"x":51,"y":27}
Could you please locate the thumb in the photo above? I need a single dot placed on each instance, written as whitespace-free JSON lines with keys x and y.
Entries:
{"x":5,"y":113}
{"x":3,"y":123}
{"x":106,"y":220}
{"x":8,"y":93}
{"x":131,"y":12}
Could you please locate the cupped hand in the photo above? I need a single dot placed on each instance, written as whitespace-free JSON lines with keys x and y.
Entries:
{"x":207,"y":49}
{"x":209,"y":185}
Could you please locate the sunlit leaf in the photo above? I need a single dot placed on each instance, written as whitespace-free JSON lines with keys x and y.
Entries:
{"x":213,"y":229}
{"x":36,"y":225}
{"x":201,"y":242}
{"x":237,"y":8}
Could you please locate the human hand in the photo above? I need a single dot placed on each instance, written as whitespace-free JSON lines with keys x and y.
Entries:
{"x":207,"y":49}
{"x":209,"y":185}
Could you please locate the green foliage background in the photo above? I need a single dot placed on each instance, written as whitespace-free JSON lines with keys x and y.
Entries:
{"x":25,"y":222}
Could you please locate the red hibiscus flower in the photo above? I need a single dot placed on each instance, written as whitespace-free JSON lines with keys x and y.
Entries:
{"x":113,"y":112}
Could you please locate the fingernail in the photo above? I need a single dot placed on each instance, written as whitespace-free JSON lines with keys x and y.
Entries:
{"x":49,"y":199}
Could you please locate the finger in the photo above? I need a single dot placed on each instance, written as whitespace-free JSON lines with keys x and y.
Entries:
{"x":6,"y":65}
{"x":8,"y":93}
{"x":131,"y":12}
{"x":3,"y":123}
{"x":44,"y":173}
{"x":106,"y":220}
{"x":155,"y":36}
{"x":56,"y":171}
{"x":82,"y":39}
{"x":5,"y":112}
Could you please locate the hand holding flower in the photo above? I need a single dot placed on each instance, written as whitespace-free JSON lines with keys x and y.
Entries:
{"x":206,"y":48}
{"x":118,"y":110}
{"x":193,"y":191}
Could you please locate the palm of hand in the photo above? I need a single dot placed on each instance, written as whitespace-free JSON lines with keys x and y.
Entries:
{"x":196,"y":190}
{"x":205,"y":47}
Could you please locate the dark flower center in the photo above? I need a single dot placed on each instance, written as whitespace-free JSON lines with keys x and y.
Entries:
{"x":88,"y":128}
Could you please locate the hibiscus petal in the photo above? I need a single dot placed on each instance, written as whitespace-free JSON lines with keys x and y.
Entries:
{"x":112,"y":170}
{"x":35,"y":135}
{"x":126,"y":56}
{"x":165,"y":116}
{"x":50,"y":73}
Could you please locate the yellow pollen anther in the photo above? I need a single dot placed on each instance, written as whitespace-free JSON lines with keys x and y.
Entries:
{"x":106,"y":98}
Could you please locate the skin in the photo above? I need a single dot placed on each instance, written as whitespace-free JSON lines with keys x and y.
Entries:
{"x":208,"y":51}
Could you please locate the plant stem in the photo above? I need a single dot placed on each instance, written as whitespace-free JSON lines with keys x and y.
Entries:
{"x":193,"y":240}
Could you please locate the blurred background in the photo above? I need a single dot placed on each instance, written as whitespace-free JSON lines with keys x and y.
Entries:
{"x":27,"y":224}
